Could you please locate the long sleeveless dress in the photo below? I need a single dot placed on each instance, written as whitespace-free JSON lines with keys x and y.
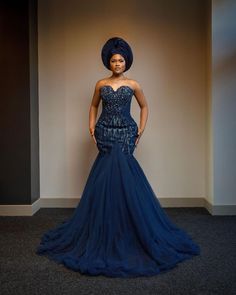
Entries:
{"x":118,"y":228}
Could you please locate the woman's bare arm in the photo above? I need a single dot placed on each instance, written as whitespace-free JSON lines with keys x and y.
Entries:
{"x":140,"y":97}
{"x":94,"y":109}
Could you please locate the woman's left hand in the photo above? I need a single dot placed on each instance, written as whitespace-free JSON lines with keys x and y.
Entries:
{"x":140,"y":132}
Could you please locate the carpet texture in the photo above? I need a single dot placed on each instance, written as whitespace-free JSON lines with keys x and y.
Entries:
{"x":24,"y":272}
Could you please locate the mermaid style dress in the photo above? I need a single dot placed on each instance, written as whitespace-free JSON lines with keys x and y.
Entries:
{"x":119,"y":228}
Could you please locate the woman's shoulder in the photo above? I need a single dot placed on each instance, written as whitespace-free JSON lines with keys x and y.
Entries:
{"x":101,"y":82}
{"x":134,"y":82}
{"x":135,"y":85}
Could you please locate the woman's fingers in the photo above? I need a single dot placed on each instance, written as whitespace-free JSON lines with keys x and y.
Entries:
{"x":92,"y":134}
{"x":137,"y":139}
{"x":140,"y":132}
{"x":94,"y":139}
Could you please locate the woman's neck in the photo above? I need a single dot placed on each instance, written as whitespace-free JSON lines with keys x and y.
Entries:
{"x":117,"y":77}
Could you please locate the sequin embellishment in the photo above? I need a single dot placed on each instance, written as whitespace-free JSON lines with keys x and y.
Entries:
{"x":115,"y":123}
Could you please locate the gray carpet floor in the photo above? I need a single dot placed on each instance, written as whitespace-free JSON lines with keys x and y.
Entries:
{"x":24,"y":272}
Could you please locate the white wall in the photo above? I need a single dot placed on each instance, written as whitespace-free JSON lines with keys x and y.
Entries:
{"x":168,"y":39}
{"x":224,"y":101}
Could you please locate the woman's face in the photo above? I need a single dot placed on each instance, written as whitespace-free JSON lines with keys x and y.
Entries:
{"x":117,"y":63}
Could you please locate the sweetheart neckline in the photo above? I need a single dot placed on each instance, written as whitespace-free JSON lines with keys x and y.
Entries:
{"x":117,"y":88}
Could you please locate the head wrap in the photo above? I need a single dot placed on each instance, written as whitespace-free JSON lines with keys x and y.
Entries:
{"x":117,"y":45}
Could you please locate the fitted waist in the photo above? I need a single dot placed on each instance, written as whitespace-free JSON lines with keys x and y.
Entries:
{"x":117,"y":120}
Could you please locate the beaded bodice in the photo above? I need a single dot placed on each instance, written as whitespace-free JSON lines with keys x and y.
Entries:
{"x":116,"y":106}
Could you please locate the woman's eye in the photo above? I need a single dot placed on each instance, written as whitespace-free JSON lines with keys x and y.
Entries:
{"x":119,"y":61}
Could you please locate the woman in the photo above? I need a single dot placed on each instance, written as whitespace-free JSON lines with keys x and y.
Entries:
{"x":119,"y":228}
{"x":118,"y":64}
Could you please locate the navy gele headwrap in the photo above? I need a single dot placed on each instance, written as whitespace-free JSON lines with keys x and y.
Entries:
{"x":117,"y":45}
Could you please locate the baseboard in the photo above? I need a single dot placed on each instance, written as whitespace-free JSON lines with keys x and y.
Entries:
{"x":20,"y":210}
{"x":30,"y":210}
{"x":220,"y":209}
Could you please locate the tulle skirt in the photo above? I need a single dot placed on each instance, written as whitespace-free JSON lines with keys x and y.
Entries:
{"x":119,"y":228}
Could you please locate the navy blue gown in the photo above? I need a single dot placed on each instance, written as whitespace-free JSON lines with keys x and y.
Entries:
{"x":119,"y":228}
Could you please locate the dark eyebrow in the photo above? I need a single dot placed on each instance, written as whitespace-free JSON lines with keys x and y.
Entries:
{"x":118,"y":59}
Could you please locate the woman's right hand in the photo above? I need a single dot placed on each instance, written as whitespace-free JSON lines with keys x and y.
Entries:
{"x":91,"y":130}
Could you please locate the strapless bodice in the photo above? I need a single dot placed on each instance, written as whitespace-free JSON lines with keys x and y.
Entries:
{"x":116,"y":106}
